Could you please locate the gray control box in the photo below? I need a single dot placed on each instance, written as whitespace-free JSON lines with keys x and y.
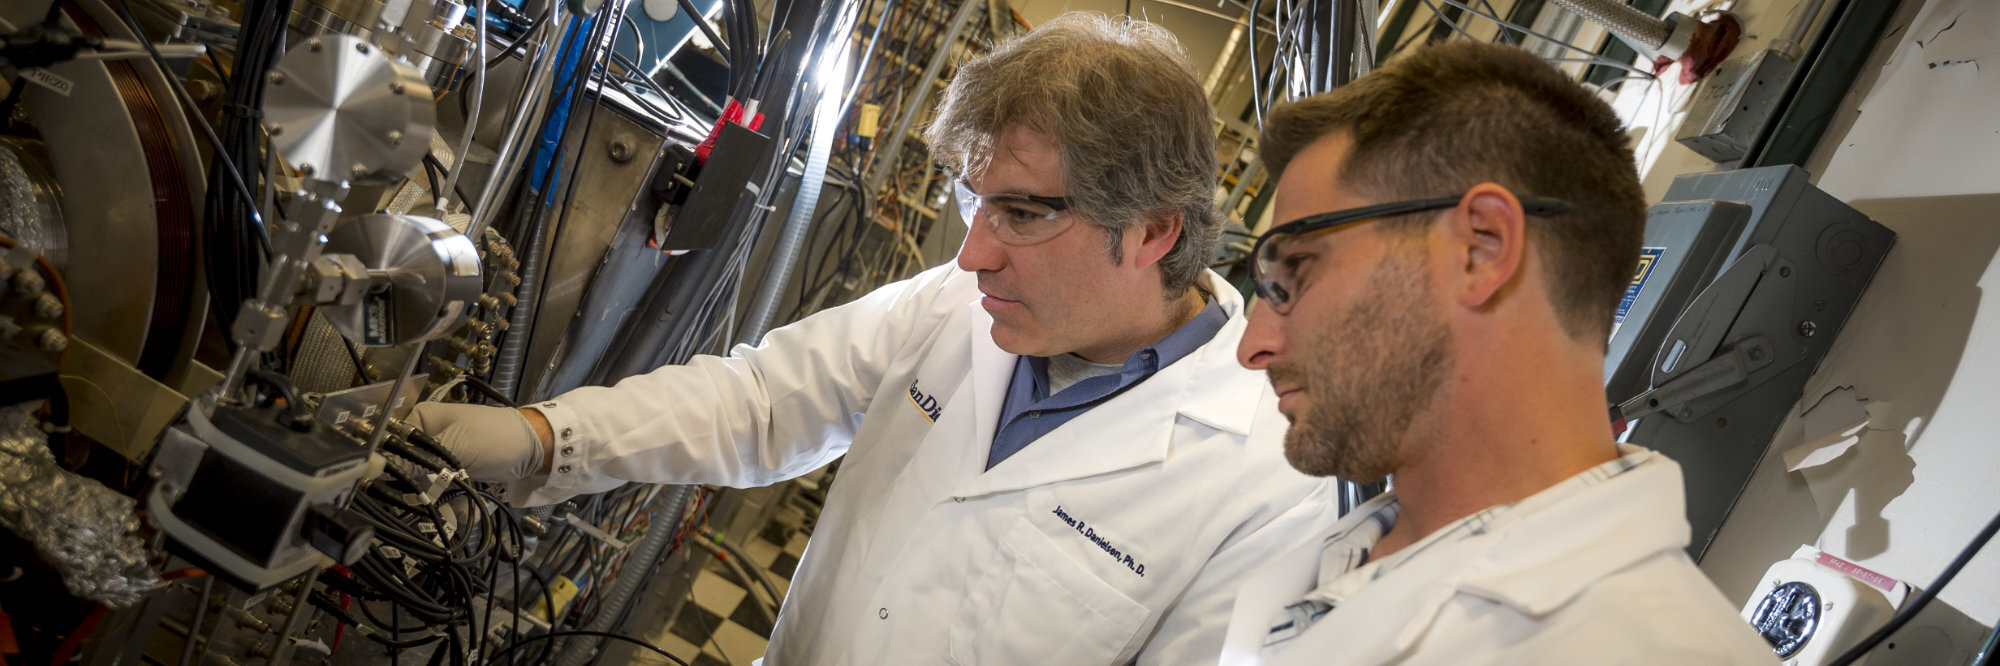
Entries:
{"x":1745,"y":280}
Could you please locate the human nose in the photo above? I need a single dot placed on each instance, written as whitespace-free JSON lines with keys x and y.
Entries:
{"x":1263,"y":338}
{"x":981,"y":251}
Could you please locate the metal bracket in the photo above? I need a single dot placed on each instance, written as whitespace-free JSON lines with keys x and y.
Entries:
{"x":1726,"y":370}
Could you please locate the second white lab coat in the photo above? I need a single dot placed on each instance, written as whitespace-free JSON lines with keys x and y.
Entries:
{"x":1119,"y":536}
{"x":1597,"y":576}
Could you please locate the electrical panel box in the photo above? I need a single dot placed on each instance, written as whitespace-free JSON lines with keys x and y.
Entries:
{"x":1733,"y":105}
{"x":1745,"y":278}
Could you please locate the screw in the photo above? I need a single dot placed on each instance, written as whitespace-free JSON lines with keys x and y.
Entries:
{"x":28,"y":282}
{"x":52,"y":340}
{"x":1784,"y":271}
{"x":359,"y":171}
{"x":277,"y":130}
{"x":396,"y":88}
{"x":1806,"y":328}
{"x":395,"y":138}
{"x":305,"y":169}
{"x":621,"y":151}
{"x":361,"y":47}
{"x":1756,"y":353}
{"x":312,"y":45}
{"x":1819,"y":305}
{"x":277,"y":78}
{"x":48,"y":306}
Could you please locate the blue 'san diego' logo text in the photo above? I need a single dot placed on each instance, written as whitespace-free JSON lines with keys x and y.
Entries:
{"x":927,"y":404}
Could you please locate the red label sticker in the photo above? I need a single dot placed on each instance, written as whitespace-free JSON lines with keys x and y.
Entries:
{"x":1875,"y":580}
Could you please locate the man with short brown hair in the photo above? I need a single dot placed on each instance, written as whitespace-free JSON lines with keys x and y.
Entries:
{"x":1445,"y":325}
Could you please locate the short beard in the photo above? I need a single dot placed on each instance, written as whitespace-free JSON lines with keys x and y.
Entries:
{"x":1368,"y":376}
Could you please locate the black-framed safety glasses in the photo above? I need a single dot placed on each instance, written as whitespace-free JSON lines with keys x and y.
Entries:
{"x":1275,"y":272}
{"x":1016,"y":219}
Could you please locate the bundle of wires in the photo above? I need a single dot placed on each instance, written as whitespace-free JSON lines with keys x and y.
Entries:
{"x":232,"y":252}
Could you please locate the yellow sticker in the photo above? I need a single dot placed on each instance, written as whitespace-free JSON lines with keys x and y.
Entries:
{"x":870,"y":121}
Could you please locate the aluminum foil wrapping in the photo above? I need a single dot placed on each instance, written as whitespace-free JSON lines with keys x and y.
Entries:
{"x":29,"y":211}
{"x":87,"y":531}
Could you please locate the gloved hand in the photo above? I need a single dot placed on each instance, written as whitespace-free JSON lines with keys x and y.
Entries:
{"x":495,"y":443}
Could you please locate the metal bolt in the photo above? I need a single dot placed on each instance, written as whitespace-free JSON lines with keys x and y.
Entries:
{"x":28,"y":282}
{"x":277,"y":78}
{"x":395,"y":138}
{"x":312,"y":45}
{"x":563,"y":469}
{"x":48,"y":306}
{"x":1806,"y":328}
{"x":1756,"y":353}
{"x":305,"y":169}
{"x":358,"y":171}
{"x":621,"y":151}
{"x":1784,"y":271}
{"x":52,"y":340}
{"x":277,"y":130}
{"x":361,"y":47}
{"x":396,"y":88}
{"x":1819,"y":305}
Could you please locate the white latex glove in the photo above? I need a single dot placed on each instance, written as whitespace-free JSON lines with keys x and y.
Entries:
{"x":495,"y":443}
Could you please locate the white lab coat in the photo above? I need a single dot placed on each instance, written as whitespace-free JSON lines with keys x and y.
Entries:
{"x":1119,"y":536}
{"x":1597,"y":576}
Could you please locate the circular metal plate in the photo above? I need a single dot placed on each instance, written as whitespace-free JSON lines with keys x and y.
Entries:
{"x":433,"y":275}
{"x":1787,"y":617}
{"x":340,"y":109}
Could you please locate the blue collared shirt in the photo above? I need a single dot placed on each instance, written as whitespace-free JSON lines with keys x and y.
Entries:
{"x":1031,"y":412}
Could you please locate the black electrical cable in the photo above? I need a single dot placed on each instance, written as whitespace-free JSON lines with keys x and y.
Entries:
{"x":522,"y":40}
{"x":431,"y":162}
{"x":489,"y":391}
{"x":194,"y":111}
{"x":687,"y":7}
{"x":1910,"y":609}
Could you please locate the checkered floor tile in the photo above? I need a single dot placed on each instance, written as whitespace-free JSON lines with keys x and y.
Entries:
{"x":724,"y":626}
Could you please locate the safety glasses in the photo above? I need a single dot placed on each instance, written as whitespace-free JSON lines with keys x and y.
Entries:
{"x":1016,"y":219}
{"x":1276,"y":268}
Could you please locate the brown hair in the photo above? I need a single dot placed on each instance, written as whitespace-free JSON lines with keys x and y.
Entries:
{"x":1127,"y":114}
{"x":1454,"y":115}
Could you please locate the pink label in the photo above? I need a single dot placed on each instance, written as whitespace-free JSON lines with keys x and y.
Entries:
{"x":1878,"y":581}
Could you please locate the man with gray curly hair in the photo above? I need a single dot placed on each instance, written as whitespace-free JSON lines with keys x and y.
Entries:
{"x":1051,"y":454}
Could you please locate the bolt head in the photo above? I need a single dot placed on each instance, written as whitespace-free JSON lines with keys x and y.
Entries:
{"x":277,"y":78}
{"x":395,"y":138}
{"x":396,"y":88}
{"x":306,"y":169}
{"x":1807,"y":328}
{"x":28,"y":282}
{"x":52,"y":340}
{"x":48,"y":306}
{"x":359,"y":171}
{"x":361,"y":47}
{"x":277,"y":130}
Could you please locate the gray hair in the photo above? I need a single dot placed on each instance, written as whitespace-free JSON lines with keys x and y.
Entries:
{"x":1128,"y":115}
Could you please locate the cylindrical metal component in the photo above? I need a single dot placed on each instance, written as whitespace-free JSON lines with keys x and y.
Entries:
{"x":1635,"y":27}
{"x":427,"y":279}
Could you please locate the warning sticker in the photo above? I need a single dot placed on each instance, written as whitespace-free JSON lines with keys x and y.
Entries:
{"x":1648,"y":258}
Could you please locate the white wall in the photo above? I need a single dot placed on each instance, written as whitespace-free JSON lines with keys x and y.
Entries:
{"x":1917,"y":146}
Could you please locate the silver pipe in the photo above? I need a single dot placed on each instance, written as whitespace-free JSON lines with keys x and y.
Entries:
{"x":416,"y":351}
{"x":472,"y":115}
{"x":510,"y":154}
{"x":1634,"y":26}
{"x":887,"y":164}
{"x":1792,"y":39}
{"x":665,"y":522}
